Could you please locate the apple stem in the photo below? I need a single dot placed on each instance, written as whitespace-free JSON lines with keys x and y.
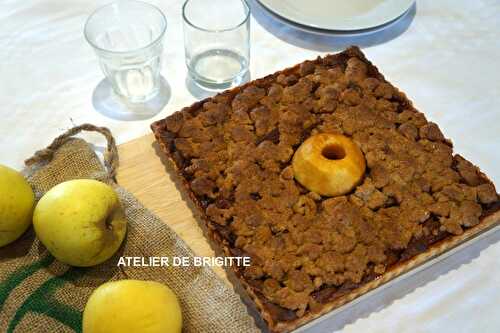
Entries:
{"x":108,"y":222}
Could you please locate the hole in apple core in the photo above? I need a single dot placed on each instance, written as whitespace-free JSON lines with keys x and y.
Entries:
{"x":333,"y":152}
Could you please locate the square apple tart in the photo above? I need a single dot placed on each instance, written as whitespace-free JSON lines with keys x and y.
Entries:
{"x":329,"y":179}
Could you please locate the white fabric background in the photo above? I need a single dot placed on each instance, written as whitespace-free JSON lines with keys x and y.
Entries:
{"x":447,"y":61}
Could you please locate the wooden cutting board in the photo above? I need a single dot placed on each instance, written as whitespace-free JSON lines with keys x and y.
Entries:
{"x":143,"y":173}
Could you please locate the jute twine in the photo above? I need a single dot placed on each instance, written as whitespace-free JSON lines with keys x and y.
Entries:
{"x":111,"y":160}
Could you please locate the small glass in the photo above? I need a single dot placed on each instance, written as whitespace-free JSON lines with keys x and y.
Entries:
{"x":127,"y":37}
{"x":217,"y":42}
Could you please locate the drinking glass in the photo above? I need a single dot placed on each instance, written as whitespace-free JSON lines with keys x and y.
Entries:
{"x":127,"y":37}
{"x":217,"y":41}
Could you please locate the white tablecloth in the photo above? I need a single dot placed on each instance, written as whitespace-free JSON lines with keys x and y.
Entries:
{"x":447,"y":61}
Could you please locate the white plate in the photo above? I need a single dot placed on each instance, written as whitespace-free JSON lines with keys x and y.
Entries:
{"x":342,"y":33}
{"x":340,"y":15}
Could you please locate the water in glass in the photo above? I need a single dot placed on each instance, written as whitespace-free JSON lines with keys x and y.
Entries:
{"x":218,"y":66}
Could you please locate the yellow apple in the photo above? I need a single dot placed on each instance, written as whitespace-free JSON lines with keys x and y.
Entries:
{"x":16,"y":205}
{"x":80,"y":222}
{"x":132,"y":306}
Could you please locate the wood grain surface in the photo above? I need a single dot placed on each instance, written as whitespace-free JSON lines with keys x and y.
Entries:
{"x":143,"y":173}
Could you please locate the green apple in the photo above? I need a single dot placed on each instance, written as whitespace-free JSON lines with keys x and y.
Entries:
{"x":80,"y":222}
{"x":16,"y":205}
{"x":132,"y":306}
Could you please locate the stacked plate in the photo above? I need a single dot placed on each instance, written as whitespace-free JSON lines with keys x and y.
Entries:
{"x":339,"y":17}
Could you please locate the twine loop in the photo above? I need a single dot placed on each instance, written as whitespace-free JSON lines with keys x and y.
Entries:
{"x":110,"y":155}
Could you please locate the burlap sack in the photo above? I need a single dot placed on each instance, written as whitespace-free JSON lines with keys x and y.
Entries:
{"x":40,"y":294}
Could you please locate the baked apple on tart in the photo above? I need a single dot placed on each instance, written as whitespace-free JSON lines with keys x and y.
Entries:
{"x":329,"y":164}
